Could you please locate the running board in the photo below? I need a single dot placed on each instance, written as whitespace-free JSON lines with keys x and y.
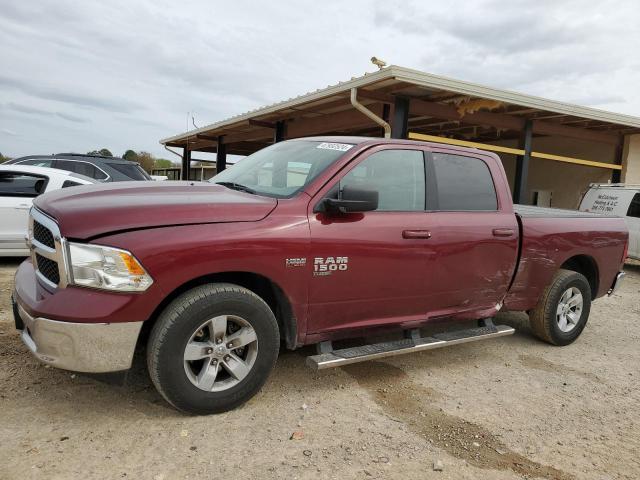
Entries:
{"x":346,"y":356}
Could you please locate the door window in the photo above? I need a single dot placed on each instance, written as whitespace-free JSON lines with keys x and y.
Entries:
{"x":397,"y":175}
{"x":70,"y":183}
{"x":634,"y":207}
{"x":37,"y":162}
{"x":21,"y":185}
{"x":83,"y":168}
{"x":464,"y":183}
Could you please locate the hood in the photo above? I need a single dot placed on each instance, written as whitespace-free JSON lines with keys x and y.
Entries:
{"x":85,"y":212}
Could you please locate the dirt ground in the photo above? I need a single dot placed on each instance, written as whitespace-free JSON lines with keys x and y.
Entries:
{"x":507,"y":408}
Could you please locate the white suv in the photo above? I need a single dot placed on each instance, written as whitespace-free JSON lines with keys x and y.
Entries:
{"x":19,"y":185}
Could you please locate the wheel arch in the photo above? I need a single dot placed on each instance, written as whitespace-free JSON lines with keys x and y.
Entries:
{"x":587,"y":266}
{"x":265,"y":288}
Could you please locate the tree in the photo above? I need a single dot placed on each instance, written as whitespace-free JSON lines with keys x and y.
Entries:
{"x":104,"y":152}
{"x":163,"y":163}
{"x":3,"y":158}
{"x":146,"y":161}
{"x":130,"y":155}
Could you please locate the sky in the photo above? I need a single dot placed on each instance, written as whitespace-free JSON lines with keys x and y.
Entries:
{"x":84,"y":75}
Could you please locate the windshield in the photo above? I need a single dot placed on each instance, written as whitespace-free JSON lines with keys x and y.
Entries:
{"x":282,"y":169}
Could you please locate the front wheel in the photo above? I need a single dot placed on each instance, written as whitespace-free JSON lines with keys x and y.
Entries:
{"x":563,"y":309}
{"x":213,"y":348}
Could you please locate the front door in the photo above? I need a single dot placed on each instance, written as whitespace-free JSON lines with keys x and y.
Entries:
{"x":369,"y":268}
{"x":17,"y":191}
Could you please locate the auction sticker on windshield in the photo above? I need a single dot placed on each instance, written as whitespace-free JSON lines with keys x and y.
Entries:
{"x":342,"y":147}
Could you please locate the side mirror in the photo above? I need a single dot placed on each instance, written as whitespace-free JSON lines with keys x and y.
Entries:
{"x":353,"y":200}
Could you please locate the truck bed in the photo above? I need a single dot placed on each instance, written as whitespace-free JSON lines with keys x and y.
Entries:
{"x":551,"y":237}
{"x":530,"y":211}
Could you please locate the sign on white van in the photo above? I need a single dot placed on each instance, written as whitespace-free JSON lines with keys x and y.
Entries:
{"x":607,"y":200}
{"x":605,"y":203}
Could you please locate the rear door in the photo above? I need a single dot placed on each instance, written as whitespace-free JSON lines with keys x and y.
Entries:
{"x":475,"y":237}
{"x":368,"y":269}
{"x":17,"y":191}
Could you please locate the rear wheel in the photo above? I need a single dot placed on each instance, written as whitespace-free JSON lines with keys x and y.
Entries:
{"x":213,"y":348}
{"x":563,"y":309}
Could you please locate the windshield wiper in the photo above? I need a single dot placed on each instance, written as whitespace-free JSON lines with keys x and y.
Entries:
{"x":236,"y":186}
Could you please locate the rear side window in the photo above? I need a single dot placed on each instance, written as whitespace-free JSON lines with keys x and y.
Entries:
{"x":21,"y":185}
{"x":634,"y":207}
{"x":398,"y":177}
{"x":464,"y":183}
{"x":37,"y":162}
{"x":70,"y":183}
{"x":83,"y":168}
{"x":134,"y":172}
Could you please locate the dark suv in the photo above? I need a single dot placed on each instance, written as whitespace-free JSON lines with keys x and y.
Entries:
{"x":100,"y":168}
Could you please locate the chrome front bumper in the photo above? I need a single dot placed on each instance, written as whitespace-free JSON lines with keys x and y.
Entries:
{"x":616,"y":283}
{"x":81,"y":347}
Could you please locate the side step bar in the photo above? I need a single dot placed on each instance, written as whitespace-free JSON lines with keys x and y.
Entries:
{"x":346,"y":356}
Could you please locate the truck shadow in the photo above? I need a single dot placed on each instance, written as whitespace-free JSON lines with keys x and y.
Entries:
{"x":123,"y":392}
{"x":122,"y":395}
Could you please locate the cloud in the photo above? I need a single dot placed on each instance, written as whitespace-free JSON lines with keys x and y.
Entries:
{"x":11,"y":133}
{"x":31,"y":88}
{"x":120,"y":74}
{"x":37,"y":111}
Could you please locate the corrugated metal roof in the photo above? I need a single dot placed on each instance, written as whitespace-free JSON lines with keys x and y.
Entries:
{"x":424,"y":80}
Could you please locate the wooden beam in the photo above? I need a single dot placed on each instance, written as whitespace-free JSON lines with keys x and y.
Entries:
{"x":447,"y":112}
{"x":512,"y":151}
{"x":399,"y":126}
{"x":549,"y":128}
{"x":509,"y":122}
{"x":280,"y":131}
{"x":249,"y":135}
{"x":221,"y":154}
{"x":337,"y":122}
{"x":522,"y":165}
{"x":203,"y":136}
{"x":261,"y":123}
{"x":186,"y":164}
{"x":379,"y":97}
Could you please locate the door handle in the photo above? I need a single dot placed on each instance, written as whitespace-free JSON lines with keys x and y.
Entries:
{"x":503,"y":232}
{"x":23,"y":206}
{"x":411,"y":234}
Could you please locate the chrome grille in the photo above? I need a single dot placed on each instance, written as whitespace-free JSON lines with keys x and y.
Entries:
{"x":48,"y":268}
{"x":48,"y":250}
{"x":43,"y":235}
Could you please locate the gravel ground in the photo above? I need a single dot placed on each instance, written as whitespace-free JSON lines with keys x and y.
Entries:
{"x":507,"y":408}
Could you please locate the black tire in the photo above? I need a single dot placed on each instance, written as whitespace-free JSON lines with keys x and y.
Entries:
{"x":543,"y":318}
{"x":176,"y":326}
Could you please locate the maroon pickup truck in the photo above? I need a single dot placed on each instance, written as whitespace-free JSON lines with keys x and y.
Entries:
{"x":308,"y":241}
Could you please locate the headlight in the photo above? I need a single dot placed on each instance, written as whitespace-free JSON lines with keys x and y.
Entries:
{"x":106,"y":268}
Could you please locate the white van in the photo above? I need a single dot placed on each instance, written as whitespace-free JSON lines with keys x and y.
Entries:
{"x":620,"y":200}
